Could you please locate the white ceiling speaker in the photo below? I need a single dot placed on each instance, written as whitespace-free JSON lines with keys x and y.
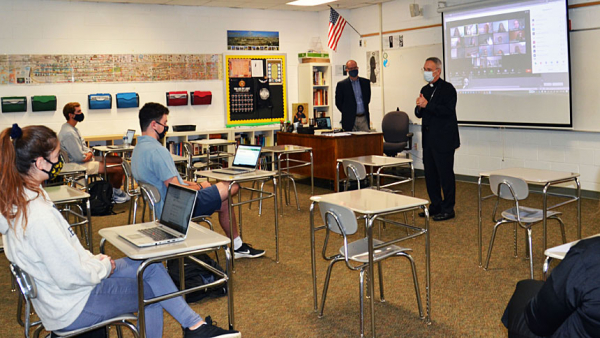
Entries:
{"x":415,"y":10}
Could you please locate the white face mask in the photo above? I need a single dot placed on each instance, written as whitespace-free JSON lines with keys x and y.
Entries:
{"x":428,"y":76}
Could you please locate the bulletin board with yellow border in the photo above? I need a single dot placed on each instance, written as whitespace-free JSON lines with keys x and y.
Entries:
{"x":255,"y":89}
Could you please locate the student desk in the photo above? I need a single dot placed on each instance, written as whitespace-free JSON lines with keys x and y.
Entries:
{"x":198,"y":240}
{"x":545,"y":178}
{"x":327,"y":149}
{"x":219,"y":153}
{"x":73,"y":170}
{"x":66,"y":195}
{"x":258,"y":175}
{"x":286,"y":150}
{"x":382,"y":162}
{"x":558,"y":252}
{"x":374,"y":204}
{"x":105,"y":150}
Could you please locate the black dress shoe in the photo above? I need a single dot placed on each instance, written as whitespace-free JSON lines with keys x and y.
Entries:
{"x":443,"y":216}
{"x":422,"y":214}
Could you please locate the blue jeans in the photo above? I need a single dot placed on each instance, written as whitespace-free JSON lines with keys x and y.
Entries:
{"x":117,"y":295}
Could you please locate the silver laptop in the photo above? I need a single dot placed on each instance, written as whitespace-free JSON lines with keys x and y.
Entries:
{"x":245,"y":160}
{"x":128,"y":136}
{"x":174,"y":220}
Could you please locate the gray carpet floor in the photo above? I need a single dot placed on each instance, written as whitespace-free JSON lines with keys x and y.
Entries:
{"x":275,"y":299}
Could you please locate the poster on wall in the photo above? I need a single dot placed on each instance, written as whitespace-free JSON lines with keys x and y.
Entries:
{"x":252,"y":40}
{"x":255,"y":89}
{"x":394,"y":41}
{"x":373,"y":68}
{"x":298,"y":109}
{"x":26,"y":69}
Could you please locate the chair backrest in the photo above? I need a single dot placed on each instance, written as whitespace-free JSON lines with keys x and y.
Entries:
{"x":354,"y":170}
{"x":65,"y":155}
{"x":501,"y":185}
{"x":395,"y":127}
{"x":130,"y":183}
{"x":338,"y":217}
{"x":29,"y":291}
{"x":151,"y":195}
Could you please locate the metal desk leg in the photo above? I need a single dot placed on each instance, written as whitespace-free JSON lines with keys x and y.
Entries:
{"x":544,"y":217}
{"x":230,"y":209}
{"x":371,"y":275}
{"x":578,"y":207}
{"x":479,"y":229}
{"x":275,"y":209}
{"x":427,"y":266}
{"x":312,"y":175}
{"x":312,"y":253}
{"x":546,"y":267}
{"x":88,"y":210}
{"x":280,"y":182}
{"x":228,"y":260}
{"x":337,"y":177}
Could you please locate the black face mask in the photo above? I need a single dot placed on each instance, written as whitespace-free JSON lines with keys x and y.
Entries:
{"x":56,"y":167}
{"x":164,"y":132}
{"x":78,"y":117}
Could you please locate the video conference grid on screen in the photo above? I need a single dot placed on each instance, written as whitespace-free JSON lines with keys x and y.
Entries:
{"x":511,"y":51}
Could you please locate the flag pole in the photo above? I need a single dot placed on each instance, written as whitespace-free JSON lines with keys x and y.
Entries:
{"x":349,"y":24}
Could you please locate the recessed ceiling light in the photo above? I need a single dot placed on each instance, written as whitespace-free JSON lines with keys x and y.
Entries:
{"x":309,"y":2}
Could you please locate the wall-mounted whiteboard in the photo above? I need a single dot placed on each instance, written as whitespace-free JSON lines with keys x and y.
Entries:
{"x":403,"y":78}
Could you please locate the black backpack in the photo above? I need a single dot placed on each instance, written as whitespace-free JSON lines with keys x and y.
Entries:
{"x":195,"y":275}
{"x":101,"y":195}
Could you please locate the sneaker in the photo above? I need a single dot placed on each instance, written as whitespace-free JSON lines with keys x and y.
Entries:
{"x":246,"y":251}
{"x":119,"y":196}
{"x":209,"y":330}
{"x":119,"y":192}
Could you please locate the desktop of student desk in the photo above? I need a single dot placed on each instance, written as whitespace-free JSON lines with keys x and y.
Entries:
{"x":327,"y":149}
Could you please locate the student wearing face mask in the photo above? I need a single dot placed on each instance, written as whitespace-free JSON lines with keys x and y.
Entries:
{"x":152,"y":163}
{"x":73,"y":143}
{"x":75,"y":288}
{"x":352,"y":98}
{"x":436,"y":106}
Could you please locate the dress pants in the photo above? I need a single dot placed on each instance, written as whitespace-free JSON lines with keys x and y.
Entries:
{"x":439,"y":177}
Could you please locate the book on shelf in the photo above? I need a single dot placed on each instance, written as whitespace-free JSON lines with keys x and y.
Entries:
{"x":318,"y":78}
{"x":320,"y":97}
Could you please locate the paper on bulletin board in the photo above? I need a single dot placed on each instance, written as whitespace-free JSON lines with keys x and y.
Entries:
{"x":257,"y":68}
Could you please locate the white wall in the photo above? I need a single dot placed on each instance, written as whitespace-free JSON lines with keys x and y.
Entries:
{"x":56,"y":27}
{"x":485,"y":149}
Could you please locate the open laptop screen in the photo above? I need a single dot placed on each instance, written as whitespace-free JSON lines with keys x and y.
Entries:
{"x":178,"y":207}
{"x":130,"y":133}
{"x":323,"y":122}
{"x":246,"y":156}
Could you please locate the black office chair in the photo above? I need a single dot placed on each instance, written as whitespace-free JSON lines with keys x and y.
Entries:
{"x":396,"y":136}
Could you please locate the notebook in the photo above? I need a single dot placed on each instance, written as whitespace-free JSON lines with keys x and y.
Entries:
{"x":128,"y":136}
{"x":245,"y":160}
{"x":323,"y":122}
{"x":174,"y":220}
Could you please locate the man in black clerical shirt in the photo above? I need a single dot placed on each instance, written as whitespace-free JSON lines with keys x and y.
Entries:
{"x":436,"y":105}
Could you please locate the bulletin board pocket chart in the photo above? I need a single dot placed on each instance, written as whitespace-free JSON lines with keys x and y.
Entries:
{"x":255,"y":89}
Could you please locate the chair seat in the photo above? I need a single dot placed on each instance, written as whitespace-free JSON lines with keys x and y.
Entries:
{"x":358,"y":251}
{"x":391,"y":149}
{"x":528,"y":215}
{"x":125,"y":317}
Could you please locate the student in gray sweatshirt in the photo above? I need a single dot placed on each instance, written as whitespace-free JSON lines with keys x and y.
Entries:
{"x":75,"y":288}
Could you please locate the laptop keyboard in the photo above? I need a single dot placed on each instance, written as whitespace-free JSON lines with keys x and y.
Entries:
{"x":157,"y":234}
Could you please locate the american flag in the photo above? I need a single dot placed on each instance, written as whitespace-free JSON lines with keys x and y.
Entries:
{"x":336,"y":27}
